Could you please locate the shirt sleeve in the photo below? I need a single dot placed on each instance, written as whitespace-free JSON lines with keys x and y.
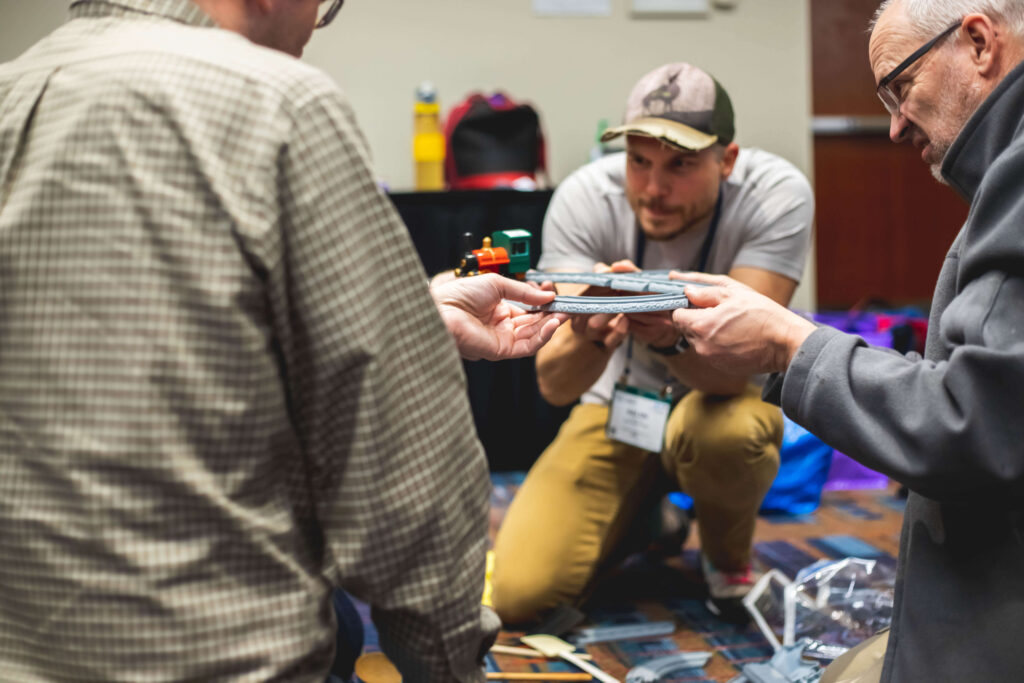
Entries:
{"x":396,"y":477}
{"x":570,"y":238}
{"x":780,"y":225}
{"x":950,"y":429}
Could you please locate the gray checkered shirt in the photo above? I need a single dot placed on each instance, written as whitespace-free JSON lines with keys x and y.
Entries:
{"x":224,"y":387}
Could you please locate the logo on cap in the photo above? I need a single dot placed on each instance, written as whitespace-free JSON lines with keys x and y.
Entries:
{"x":666,"y":94}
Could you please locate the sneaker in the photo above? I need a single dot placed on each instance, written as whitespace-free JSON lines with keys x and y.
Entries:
{"x":726,"y":591}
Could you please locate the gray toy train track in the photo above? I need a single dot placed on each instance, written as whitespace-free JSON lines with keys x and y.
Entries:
{"x":654,"y":670}
{"x":666,"y":294}
{"x":614,"y":304}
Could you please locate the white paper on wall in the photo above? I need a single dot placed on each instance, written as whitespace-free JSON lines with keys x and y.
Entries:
{"x":671,"y":6}
{"x":572,"y":8}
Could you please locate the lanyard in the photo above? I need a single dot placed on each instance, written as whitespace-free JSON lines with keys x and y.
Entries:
{"x":702,"y":264}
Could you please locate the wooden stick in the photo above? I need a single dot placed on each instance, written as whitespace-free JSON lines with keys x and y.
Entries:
{"x":517,"y":676}
{"x":513,"y":650}
{"x":524,"y":651}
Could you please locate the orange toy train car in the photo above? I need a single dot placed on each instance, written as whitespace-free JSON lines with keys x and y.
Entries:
{"x":506,"y":252}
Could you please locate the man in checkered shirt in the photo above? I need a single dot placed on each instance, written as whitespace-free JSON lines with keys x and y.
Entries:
{"x":224,"y":387}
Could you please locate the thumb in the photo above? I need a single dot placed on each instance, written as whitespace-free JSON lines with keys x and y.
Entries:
{"x":705,"y":297}
{"x":523,"y":292}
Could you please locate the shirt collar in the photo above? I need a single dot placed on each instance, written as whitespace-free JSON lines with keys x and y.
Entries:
{"x":986,"y":135}
{"x":184,"y":11}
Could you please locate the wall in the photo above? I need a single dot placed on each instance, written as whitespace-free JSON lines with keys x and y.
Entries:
{"x":884,"y":224}
{"x":574,"y":70}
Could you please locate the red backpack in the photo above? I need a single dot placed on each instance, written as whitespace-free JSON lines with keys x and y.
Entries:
{"x":493,"y":142}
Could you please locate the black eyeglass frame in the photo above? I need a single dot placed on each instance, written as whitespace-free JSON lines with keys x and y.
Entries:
{"x":889,"y":99}
{"x":329,"y":15}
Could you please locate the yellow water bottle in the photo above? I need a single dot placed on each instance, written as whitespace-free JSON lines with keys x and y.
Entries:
{"x":428,"y":140}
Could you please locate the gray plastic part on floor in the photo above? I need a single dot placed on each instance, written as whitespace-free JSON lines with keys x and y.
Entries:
{"x":786,"y":666}
{"x":655,"y":669}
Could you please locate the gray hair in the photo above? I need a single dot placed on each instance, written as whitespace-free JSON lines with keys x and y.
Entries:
{"x":931,"y":17}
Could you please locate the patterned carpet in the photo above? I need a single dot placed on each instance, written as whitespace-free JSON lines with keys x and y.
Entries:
{"x":847,"y":523}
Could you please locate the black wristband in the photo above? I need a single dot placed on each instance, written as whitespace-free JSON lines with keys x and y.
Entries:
{"x":671,"y":350}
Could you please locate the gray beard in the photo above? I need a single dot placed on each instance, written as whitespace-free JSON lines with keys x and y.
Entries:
{"x":964,"y":104}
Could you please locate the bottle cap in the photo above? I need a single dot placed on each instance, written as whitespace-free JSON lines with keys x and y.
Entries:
{"x":426,"y":92}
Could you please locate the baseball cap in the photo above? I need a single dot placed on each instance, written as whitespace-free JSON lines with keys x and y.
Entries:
{"x":680,"y":105}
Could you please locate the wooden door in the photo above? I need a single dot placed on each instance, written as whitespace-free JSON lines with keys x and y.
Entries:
{"x":884,"y":224}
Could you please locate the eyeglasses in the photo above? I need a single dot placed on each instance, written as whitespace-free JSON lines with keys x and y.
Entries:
{"x":331,"y":12}
{"x":890,"y":99}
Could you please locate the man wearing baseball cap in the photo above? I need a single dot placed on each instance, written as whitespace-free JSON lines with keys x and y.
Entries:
{"x":652,"y":417}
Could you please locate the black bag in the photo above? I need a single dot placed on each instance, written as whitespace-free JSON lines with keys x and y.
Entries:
{"x":493,"y":142}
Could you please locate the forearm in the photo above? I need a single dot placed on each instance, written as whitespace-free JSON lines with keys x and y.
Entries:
{"x":568,"y":366}
{"x":442,"y":636}
{"x":949,"y":430}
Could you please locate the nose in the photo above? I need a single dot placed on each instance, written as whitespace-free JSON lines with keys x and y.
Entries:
{"x":898,"y":126}
{"x":656,"y":182}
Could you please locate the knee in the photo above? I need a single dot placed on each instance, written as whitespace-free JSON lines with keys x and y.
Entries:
{"x":521,"y":597}
{"x":740,"y":430}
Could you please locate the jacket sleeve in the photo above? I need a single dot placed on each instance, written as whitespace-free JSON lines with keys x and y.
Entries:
{"x":950,"y":429}
{"x":396,"y":477}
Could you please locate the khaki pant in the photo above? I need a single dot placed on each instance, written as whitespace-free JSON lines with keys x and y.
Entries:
{"x":578,"y":501}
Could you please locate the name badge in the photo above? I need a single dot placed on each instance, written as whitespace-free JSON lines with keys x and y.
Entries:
{"x":638,"y":418}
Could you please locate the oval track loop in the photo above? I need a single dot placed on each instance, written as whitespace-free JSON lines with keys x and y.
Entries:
{"x":666,"y":294}
{"x":615,"y":304}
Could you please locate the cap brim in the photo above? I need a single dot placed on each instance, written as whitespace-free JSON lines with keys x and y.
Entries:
{"x":670,"y":132}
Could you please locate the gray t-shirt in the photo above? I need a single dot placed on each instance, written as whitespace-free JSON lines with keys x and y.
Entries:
{"x":766,"y":217}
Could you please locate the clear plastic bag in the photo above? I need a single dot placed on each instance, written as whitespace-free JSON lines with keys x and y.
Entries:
{"x":832,"y":605}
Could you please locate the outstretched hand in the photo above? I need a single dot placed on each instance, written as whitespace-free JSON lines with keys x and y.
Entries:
{"x":607,"y":330}
{"x":484,"y":325}
{"x":736,"y":328}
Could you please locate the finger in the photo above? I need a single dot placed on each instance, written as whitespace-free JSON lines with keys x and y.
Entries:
{"x":524,"y":319}
{"x":619,"y":321}
{"x":515,"y":312}
{"x":543,"y":327}
{"x":546,"y":285}
{"x":684,"y":319}
{"x":703,"y":278}
{"x":624,"y":266}
{"x":529,"y":345}
{"x":560,"y":317}
{"x":649,"y":318}
{"x":589,"y":325}
{"x":705,"y":297}
{"x":599,"y":321}
{"x":620,"y":324}
{"x":602,"y":268}
{"x":522,"y":292}
{"x":616,"y":334}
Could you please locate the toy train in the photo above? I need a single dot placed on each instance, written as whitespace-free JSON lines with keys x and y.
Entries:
{"x":506,"y":252}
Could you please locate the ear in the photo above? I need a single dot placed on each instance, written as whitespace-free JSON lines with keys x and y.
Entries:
{"x":985,"y":42}
{"x":729,"y":159}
